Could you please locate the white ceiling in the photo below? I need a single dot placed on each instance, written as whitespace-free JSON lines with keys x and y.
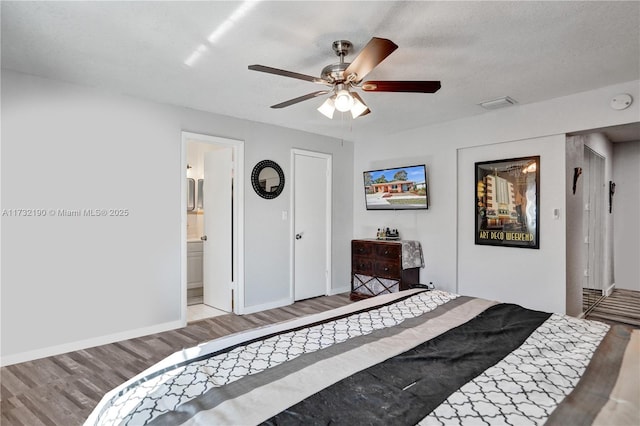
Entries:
{"x":530,"y":51}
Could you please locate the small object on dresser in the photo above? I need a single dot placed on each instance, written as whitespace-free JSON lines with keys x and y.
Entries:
{"x":392,"y":234}
{"x":386,"y":233}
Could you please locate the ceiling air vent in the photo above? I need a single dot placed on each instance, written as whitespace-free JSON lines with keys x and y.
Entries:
{"x":505,"y":101}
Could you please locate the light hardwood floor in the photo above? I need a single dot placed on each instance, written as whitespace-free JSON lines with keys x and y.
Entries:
{"x":621,"y":307}
{"x":63,"y":389}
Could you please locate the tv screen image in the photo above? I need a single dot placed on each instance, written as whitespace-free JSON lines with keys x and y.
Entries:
{"x":399,"y":188}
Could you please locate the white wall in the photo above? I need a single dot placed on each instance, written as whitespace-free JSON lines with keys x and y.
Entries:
{"x":626,"y":205}
{"x":574,"y":232}
{"x":71,"y":282}
{"x":266,"y":232}
{"x":505,"y":273}
{"x":437,"y":146}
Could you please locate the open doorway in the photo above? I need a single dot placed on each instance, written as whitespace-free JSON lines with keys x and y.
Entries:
{"x":211,"y":226}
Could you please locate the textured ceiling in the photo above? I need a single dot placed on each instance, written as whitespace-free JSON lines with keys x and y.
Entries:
{"x":531,"y":51}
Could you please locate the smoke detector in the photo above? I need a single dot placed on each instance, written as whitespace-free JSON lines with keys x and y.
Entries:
{"x":621,"y":101}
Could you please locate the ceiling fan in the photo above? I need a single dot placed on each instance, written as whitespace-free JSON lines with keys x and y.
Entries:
{"x":342,"y":78}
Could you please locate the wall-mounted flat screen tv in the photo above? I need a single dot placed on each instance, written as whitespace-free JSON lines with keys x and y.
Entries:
{"x":399,"y":188}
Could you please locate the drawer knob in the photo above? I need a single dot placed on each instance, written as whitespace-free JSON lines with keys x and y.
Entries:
{"x":386,"y":252}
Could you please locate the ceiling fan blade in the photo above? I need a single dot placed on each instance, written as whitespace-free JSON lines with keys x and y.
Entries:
{"x":373,"y":53}
{"x":401,"y":86}
{"x":300,"y":99}
{"x":285,"y":73}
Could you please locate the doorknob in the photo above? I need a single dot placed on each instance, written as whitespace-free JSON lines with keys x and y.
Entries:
{"x":203,"y":238}
{"x":298,"y":236}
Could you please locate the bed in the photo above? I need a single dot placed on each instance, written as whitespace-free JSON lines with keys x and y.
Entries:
{"x":412,"y":357}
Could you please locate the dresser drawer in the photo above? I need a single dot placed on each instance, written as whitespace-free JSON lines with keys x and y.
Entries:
{"x":362,"y":265}
{"x":388,"y":269}
{"x":361,"y":248}
{"x":388,"y":251}
{"x":376,"y":268}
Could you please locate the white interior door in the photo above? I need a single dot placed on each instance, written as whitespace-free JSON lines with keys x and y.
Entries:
{"x":312,"y":224}
{"x":217,"y":260}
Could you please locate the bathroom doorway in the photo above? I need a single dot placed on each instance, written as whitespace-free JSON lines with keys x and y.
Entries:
{"x":212,"y":226}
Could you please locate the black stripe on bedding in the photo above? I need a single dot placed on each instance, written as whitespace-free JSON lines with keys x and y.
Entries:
{"x":405,"y":388}
{"x":249,"y":341}
{"x":246,"y":384}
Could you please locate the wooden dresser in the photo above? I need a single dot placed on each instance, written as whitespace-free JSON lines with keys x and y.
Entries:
{"x":377,"y":268}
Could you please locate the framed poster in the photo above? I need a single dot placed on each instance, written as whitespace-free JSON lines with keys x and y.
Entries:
{"x":508,"y":202}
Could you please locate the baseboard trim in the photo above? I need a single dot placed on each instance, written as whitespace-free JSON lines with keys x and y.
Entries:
{"x":284,"y":302}
{"x":265,"y":306}
{"x":87,"y":343}
{"x":609,"y":290}
{"x":339,"y":290}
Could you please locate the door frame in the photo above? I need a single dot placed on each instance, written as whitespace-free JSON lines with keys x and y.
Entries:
{"x":238,"y":218}
{"x":329,"y":220}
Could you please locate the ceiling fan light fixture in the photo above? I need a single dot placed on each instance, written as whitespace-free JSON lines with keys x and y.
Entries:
{"x":349,"y":75}
{"x":358,"y":108}
{"x":344,"y":100}
{"x":328,"y":108}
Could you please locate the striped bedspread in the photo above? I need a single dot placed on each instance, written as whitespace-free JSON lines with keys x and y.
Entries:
{"x":414,"y":357}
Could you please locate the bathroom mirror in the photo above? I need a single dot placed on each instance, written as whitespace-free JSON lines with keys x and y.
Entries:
{"x":267,"y":179}
{"x":200,"y":193}
{"x":191,"y":194}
